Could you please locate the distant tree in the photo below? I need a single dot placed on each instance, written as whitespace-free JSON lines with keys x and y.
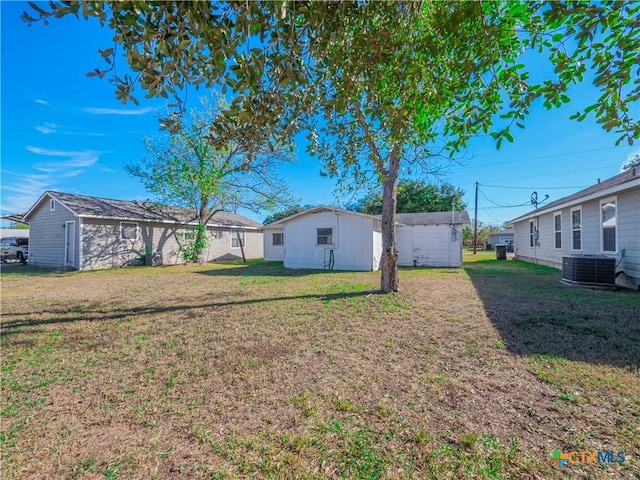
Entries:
{"x":287,"y":212}
{"x":415,"y":196}
{"x":484,"y":230}
{"x":185,"y":169}
{"x":634,"y":162}
{"x":20,"y":225}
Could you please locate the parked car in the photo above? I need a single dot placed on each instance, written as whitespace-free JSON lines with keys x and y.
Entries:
{"x":14,"y":249}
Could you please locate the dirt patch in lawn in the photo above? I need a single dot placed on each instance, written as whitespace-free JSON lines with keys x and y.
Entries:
{"x":226,"y":371}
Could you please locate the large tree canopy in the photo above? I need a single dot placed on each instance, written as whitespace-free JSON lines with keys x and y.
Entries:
{"x":280,"y":47}
{"x":375,"y":84}
{"x":415,"y":196}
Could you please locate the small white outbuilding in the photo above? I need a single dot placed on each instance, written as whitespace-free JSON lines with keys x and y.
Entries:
{"x":325,"y":238}
{"x":432,"y":239}
{"x":332,"y":238}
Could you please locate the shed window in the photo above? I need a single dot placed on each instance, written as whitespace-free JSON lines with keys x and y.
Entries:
{"x":278,"y":239}
{"x":324,"y":236}
{"x":52,"y":205}
{"x":237,"y":239}
{"x":609,"y":222}
{"x":128,"y":231}
{"x":557,"y":230}
{"x":576,"y":229}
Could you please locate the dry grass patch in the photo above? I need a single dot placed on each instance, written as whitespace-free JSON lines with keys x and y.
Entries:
{"x":231,"y":371}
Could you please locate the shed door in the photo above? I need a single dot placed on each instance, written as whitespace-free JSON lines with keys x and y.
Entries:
{"x":69,"y":243}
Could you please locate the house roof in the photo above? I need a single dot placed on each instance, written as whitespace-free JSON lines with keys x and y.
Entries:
{"x":433,"y":218}
{"x":107,"y":208}
{"x":627,"y":179}
{"x":428,"y":218}
{"x":16,"y":217}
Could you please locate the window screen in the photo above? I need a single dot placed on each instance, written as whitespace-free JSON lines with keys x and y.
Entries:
{"x":325,"y":236}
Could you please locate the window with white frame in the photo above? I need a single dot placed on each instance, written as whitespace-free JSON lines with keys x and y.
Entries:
{"x":189,"y":233}
{"x":324,"y":236}
{"x":533,"y":233}
{"x":557,"y":230}
{"x":52,"y":205}
{"x":128,"y":231}
{"x":237,"y":239}
{"x":576,"y":228}
{"x":278,"y":239}
{"x":608,"y":216}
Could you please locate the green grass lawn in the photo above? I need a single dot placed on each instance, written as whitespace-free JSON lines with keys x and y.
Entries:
{"x":234,"y":371}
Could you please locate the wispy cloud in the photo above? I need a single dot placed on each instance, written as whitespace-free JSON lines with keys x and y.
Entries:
{"x":72,"y":159}
{"x":116,"y":111}
{"x":50,"y":127}
{"x":23,"y":192}
{"x":47,"y":128}
{"x":41,"y":101}
{"x":20,"y":190}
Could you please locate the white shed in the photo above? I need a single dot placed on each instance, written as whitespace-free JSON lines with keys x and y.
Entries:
{"x":325,"y":237}
{"x":432,"y":239}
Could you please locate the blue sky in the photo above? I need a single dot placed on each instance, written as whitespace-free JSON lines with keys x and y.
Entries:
{"x":62,"y":130}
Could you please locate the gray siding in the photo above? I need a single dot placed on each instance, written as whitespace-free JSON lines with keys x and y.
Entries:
{"x":220,"y":248}
{"x":627,"y":232}
{"x":103,"y":248}
{"x":47,"y":236}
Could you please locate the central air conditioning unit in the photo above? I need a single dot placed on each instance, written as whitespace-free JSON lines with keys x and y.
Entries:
{"x":589,"y":270}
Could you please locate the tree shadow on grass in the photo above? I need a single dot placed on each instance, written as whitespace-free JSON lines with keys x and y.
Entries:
{"x":536,"y":315}
{"x":71,"y":313}
{"x":260,"y":268}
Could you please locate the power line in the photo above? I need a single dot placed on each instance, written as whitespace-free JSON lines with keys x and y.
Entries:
{"x":503,"y":206}
{"x":533,"y":188}
{"x":549,"y":174}
{"x":539,"y":157}
{"x":491,"y":216}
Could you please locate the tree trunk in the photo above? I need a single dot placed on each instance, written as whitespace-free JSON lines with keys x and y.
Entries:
{"x":389,"y":278}
{"x":200,"y":255}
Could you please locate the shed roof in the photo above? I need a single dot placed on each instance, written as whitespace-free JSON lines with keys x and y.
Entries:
{"x":510,"y":231}
{"x":433,"y":218}
{"x":627,"y":179}
{"x":111,"y":209}
{"x":320,"y":208}
{"x":427,"y":218}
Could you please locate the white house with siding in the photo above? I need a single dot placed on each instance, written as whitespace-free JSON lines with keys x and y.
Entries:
{"x":603,"y":219}
{"x":83,"y":233}
{"x":332,"y":238}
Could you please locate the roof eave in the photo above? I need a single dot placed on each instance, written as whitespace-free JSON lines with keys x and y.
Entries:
{"x":621,"y":187}
{"x":170,"y":222}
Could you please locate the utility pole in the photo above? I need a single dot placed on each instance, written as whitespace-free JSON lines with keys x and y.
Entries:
{"x":475,"y":223}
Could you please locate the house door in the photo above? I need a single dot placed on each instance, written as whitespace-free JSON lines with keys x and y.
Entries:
{"x":69,"y":243}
